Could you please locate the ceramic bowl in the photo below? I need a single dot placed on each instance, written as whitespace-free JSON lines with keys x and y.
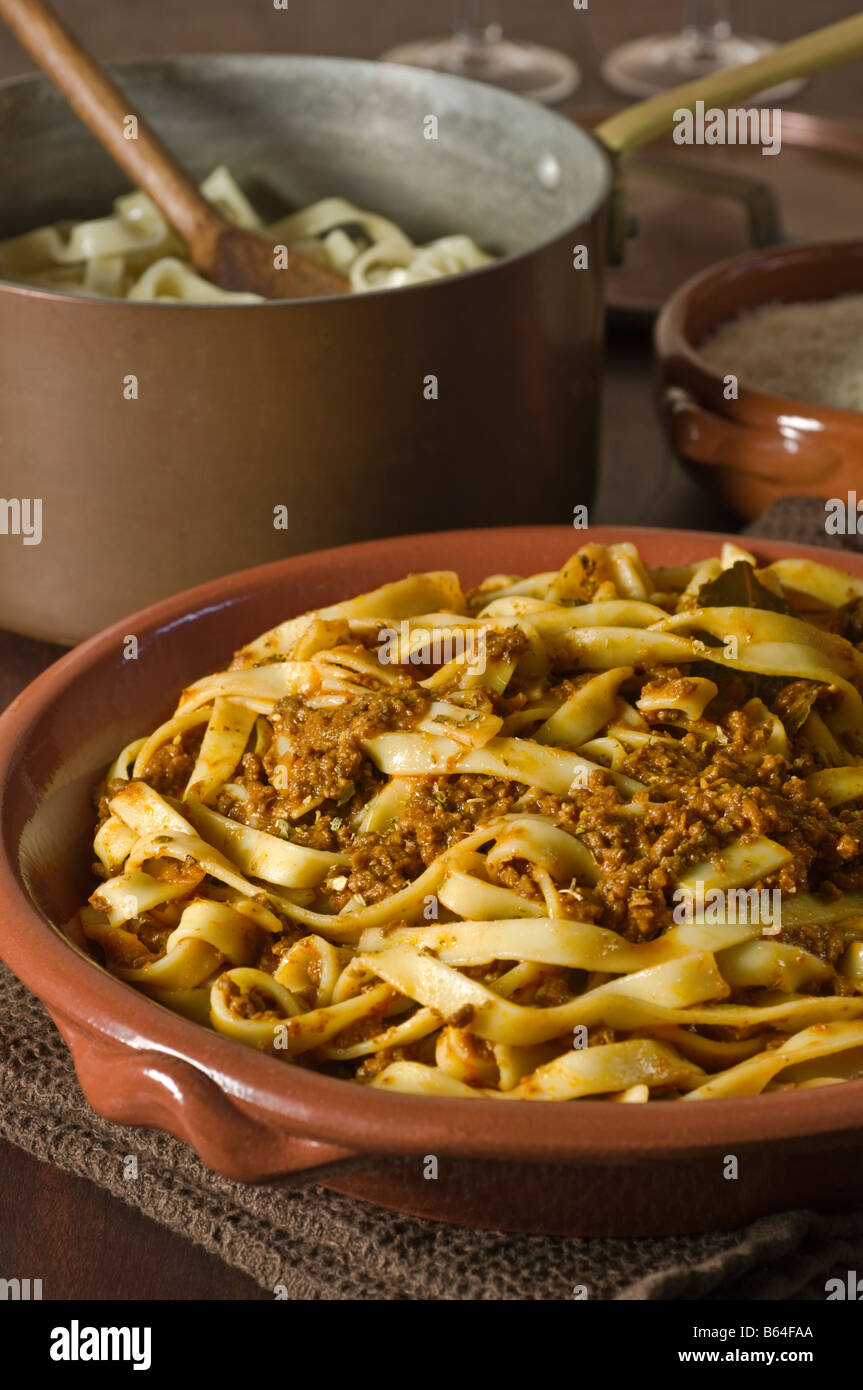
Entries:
{"x":758,"y":447}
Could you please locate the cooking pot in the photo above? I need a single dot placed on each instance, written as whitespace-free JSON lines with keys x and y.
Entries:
{"x":326,"y":408}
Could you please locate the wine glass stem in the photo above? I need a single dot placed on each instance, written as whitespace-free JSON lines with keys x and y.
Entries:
{"x":476,"y":19}
{"x":706,"y":23}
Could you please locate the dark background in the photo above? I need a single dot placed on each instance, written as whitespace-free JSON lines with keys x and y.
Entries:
{"x":85,"y":1243}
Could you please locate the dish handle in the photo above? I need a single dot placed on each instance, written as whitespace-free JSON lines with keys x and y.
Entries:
{"x":154,"y":1088}
{"x":702,"y":437}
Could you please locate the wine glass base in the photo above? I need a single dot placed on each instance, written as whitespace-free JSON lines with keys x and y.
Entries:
{"x":650,"y":65}
{"x":525,"y":68}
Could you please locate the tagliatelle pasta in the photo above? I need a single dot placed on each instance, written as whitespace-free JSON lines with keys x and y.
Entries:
{"x":134,"y":254}
{"x":594,"y":832}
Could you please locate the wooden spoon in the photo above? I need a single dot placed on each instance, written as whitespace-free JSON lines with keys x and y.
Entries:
{"x":230,"y":256}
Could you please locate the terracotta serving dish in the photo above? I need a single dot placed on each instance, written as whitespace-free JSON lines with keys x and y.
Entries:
{"x":759,"y":447}
{"x":590,"y":1167}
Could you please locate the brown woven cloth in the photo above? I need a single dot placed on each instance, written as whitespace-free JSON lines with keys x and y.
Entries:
{"x":800,"y":520}
{"x":324,"y":1246}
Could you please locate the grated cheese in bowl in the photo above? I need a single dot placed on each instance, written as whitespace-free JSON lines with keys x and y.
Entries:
{"x":810,"y":351}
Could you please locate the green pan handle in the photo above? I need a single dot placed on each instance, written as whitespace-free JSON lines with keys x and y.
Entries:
{"x":637,"y":125}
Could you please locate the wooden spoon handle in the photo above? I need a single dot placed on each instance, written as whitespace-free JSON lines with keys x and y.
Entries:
{"x":106,"y":111}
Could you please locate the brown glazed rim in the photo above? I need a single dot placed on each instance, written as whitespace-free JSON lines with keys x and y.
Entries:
{"x":673,"y":343}
{"x":104,"y":1015}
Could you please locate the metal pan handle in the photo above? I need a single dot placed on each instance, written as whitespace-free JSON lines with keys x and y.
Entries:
{"x":637,"y":125}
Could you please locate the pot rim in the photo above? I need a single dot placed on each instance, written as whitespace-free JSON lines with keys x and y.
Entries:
{"x":304,"y":1103}
{"x":34,"y":79}
{"x":672,"y":344}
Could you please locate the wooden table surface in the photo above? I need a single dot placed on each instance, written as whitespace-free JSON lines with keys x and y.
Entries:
{"x":85,"y":1243}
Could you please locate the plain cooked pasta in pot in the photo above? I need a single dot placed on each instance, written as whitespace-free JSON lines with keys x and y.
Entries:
{"x":134,"y":253}
{"x":593,"y":832}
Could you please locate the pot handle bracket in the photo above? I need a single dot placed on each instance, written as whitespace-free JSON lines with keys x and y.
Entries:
{"x":758,"y":199}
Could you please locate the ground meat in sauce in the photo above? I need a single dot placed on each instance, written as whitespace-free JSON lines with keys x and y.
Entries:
{"x":170,"y":767}
{"x":325,"y":755}
{"x":309,"y":776}
{"x":168,"y":772}
{"x":253,"y":1003}
{"x":847,"y":621}
{"x":373,"y":1065}
{"x":701,"y":796}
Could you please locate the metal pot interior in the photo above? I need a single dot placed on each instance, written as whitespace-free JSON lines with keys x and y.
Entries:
{"x":294,"y":129}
